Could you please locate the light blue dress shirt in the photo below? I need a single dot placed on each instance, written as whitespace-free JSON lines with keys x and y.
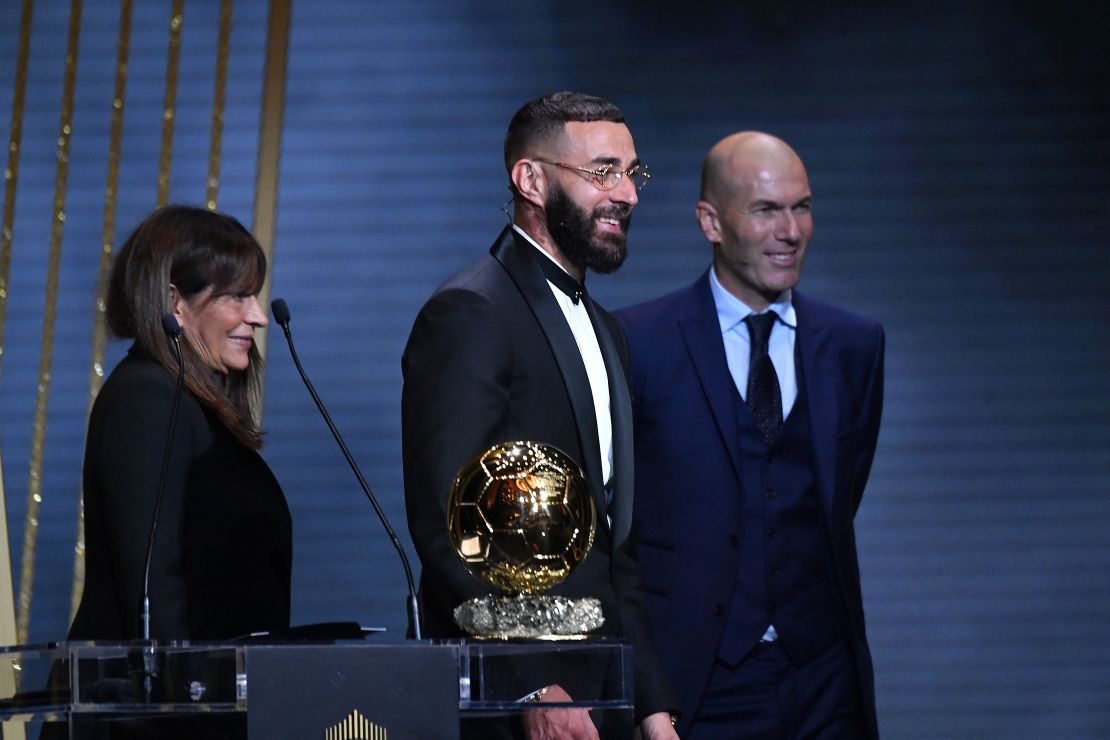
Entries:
{"x":731,"y":312}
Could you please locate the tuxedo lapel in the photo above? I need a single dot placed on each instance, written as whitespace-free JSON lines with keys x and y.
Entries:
{"x":820,"y":379}
{"x":620,"y":411}
{"x":518,"y":258}
{"x":701,"y":331}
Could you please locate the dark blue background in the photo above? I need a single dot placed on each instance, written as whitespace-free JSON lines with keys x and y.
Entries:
{"x":959,"y":155}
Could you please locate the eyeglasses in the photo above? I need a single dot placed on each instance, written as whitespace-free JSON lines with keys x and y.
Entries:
{"x":608,"y":176}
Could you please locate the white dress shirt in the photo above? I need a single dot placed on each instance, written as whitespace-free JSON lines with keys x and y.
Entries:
{"x":583,"y":330}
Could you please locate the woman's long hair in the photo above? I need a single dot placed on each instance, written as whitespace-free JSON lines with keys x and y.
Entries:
{"x":192,"y":249}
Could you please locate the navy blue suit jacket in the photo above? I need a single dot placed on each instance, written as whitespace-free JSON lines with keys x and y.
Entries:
{"x":688,"y":481}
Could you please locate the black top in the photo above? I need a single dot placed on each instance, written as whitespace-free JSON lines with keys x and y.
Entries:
{"x":223,"y":551}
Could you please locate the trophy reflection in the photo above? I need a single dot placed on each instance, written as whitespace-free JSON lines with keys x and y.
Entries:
{"x":521,"y":517}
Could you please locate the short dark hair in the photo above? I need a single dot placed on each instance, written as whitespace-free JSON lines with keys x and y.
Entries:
{"x":194,"y":249}
{"x":541,"y":119}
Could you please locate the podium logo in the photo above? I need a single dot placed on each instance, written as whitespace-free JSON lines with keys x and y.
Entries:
{"x":356,"y":727}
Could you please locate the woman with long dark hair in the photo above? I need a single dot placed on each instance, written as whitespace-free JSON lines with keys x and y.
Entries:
{"x":222,"y":555}
{"x":221,"y":560}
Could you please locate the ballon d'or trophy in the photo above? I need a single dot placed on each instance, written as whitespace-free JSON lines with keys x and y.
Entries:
{"x":521,"y":517}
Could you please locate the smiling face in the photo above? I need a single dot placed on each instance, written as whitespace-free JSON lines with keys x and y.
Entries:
{"x":221,"y":328}
{"x":756,"y":210}
{"x":597,"y":240}
{"x":589,"y":226}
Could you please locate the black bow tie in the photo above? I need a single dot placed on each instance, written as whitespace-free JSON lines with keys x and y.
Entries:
{"x":561,"y":279}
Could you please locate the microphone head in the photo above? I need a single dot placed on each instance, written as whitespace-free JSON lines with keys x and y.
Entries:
{"x":170,"y":326}
{"x":281,"y":312}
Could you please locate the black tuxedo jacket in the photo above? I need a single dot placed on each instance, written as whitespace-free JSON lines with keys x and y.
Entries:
{"x":223,"y":552}
{"x":491,"y":358}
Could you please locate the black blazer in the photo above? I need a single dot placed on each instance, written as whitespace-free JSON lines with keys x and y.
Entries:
{"x":491,"y":358}
{"x":223,"y":552}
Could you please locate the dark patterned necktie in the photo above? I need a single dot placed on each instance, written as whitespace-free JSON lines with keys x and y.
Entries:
{"x":763,"y":396}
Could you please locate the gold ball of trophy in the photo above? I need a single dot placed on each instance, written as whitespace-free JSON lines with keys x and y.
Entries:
{"x":521,"y":517}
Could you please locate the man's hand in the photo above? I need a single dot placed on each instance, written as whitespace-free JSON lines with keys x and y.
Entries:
{"x":560,"y":724}
{"x":656,"y":727}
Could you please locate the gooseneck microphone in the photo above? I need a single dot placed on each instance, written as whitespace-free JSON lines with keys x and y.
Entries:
{"x":281,"y":316}
{"x":173,"y":333}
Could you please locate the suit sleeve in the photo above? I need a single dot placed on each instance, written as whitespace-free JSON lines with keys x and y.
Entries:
{"x":653,"y":691}
{"x":127,"y":458}
{"x":454,"y":402}
{"x":871,"y":411}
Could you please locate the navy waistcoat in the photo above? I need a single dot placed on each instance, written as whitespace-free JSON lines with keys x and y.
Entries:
{"x":785,"y":564}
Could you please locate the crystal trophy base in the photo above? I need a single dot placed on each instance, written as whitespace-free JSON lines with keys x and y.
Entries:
{"x":529,"y":617}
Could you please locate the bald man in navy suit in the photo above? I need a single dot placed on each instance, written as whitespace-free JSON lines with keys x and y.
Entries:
{"x":756,"y":419}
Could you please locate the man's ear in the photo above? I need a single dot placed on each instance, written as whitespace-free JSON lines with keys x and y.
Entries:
{"x":708,"y":221}
{"x":530,"y":181}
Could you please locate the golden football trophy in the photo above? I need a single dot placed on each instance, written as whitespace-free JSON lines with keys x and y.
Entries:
{"x":521,"y":517}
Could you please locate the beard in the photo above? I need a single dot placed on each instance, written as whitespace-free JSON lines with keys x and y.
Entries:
{"x":574,"y":232}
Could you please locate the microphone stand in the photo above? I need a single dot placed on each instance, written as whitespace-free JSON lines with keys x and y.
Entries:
{"x":281,"y":315}
{"x":173,"y":332}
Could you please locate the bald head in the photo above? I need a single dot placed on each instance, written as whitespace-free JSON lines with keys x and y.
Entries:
{"x":742,"y":158}
{"x":755,"y":211}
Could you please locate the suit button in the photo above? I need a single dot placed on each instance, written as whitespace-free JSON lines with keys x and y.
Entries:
{"x":772,"y":571}
{"x":771,"y":494}
{"x":733,"y":541}
{"x":771,"y":532}
{"x":719,"y":610}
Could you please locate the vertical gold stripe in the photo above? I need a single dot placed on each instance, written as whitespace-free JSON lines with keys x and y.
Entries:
{"x":9,"y":673}
{"x":9,"y":669}
{"x":264,"y":221}
{"x":46,"y":355}
{"x":11,"y":172}
{"x":218,"y":97}
{"x":170,"y":103}
{"x":107,"y":242}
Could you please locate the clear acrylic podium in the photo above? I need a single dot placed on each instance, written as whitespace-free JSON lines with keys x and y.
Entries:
{"x":341,"y":690}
